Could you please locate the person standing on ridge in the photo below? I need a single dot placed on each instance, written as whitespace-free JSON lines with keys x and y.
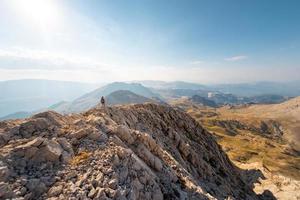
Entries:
{"x":103,"y":102}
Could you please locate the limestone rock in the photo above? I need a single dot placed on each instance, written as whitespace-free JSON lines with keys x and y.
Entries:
{"x":55,"y":191}
{"x":36,"y":187}
{"x":124,"y":133}
{"x":33,"y":126}
{"x":51,"y":151}
{"x":5,"y":191}
{"x":4,"y":172}
{"x":149,"y":158}
{"x":79,"y":133}
{"x":97,"y":136}
{"x":142,"y":151}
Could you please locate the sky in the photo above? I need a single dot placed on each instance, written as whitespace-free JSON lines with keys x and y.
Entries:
{"x":203,"y":41}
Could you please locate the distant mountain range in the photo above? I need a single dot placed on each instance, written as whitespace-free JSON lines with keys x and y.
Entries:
{"x":30,"y":95}
{"x":172,"y":85}
{"x":91,"y":99}
{"x":290,"y":89}
{"x":21,"y":98}
{"x":126,"y":97}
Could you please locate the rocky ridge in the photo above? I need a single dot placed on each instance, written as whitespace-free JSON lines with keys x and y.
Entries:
{"x":143,"y":151}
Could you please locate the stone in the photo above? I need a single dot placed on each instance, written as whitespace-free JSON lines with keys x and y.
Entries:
{"x":55,"y":191}
{"x":4,"y":173}
{"x":97,"y":136}
{"x":65,"y":145}
{"x":71,"y":175}
{"x":123,"y":174}
{"x":4,"y":138}
{"x":116,"y":160}
{"x":99,"y":178}
{"x":144,"y":155}
{"x":52,"y":117}
{"x":66,"y":157}
{"x":30,"y":152}
{"x":110,"y":192}
{"x":133,"y":194}
{"x":101,"y":195}
{"x":157,"y":164}
{"x":137,"y":184}
{"x":113,"y":184}
{"x":79,"y":134}
{"x":36,"y":142}
{"x":184,"y":148}
{"x":51,"y":151}
{"x":33,"y":126}
{"x":124,"y":133}
{"x":149,"y":158}
{"x":92,"y":193}
{"x":5,"y":191}
{"x":158,"y":195}
{"x":36,"y":187}
{"x":23,"y":191}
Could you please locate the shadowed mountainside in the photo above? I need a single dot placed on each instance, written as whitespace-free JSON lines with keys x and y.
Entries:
{"x":91,"y":99}
{"x":125,"y":97}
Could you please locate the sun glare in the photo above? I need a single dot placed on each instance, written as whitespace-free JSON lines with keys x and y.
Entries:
{"x":42,"y":13}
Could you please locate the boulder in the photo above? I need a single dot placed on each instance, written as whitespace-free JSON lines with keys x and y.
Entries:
{"x":97,"y":136}
{"x":124,"y":133}
{"x":36,"y":187}
{"x":158,"y":195}
{"x":4,"y":138}
{"x":55,"y":191}
{"x":52,"y":117}
{"x":65,"y":145}
{"x":5,"y":191}
{"x":51,"y":150}
{"x":4,"y":172}
{"x":33,"y":126}
{"x":90,"y":132}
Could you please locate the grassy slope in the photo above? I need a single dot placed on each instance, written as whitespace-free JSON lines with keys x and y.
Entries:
{"x":247,"y":146}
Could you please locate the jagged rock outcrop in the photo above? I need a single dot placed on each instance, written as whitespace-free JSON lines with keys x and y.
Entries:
{"x":143,"y":151}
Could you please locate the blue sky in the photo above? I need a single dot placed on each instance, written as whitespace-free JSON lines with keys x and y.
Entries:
{"x":224,"y":41}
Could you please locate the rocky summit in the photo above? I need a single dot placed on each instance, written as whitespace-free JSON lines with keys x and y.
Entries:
{"x":142,"y":151}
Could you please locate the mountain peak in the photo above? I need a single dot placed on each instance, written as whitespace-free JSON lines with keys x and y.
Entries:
{"x":125,"y":97}
{"x":141,"y":151}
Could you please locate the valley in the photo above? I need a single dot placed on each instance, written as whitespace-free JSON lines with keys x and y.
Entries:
{"x":260,"y":137}
{"x":249,"y":136}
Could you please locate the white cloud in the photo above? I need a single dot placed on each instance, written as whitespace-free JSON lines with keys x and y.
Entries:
{"x":21,"y":63}
{"x":22,"y":58}
{"x":196,"y":62}
{"x":209,"y":74}
{"x":236,"y":58}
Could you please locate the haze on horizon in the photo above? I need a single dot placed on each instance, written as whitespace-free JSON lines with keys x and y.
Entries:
{"x":198,"y":41}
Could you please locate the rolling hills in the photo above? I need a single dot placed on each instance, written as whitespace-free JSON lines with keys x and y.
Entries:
{"x":268,"y":134}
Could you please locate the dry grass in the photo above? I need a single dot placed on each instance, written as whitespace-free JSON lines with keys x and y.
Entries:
{"x":80,"y":158}
{"x":247,"y":146}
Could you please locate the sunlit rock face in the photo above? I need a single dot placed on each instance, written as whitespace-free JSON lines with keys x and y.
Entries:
{"x":142,"y":151}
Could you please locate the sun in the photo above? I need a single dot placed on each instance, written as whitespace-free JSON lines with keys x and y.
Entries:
{"x":45,"y":14}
